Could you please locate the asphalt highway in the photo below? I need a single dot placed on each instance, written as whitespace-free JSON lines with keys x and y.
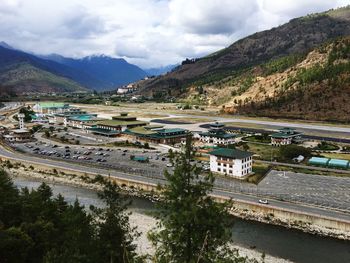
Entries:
{"x":293,"y":207}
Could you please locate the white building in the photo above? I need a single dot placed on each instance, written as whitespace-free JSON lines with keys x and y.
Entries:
{"x":285,"y":136}
{"x":216,"y":135}
{"x":20,"y":117}
{"x":231,"y":162}
{"x":50,"y":107}
{"x":21,"y":134}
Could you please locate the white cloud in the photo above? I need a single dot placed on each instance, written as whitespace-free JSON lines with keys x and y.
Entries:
{"x":147,"y":32}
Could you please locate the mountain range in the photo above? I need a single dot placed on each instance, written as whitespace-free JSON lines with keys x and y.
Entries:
{"x":24,"y":72}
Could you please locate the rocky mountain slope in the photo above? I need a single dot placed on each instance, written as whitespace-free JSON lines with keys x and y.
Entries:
{"x":294,"y":38}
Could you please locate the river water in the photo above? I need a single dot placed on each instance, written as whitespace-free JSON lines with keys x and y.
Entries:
{"x":273,"y":240}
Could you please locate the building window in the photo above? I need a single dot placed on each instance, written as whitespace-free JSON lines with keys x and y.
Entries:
{"x":219,"y":169}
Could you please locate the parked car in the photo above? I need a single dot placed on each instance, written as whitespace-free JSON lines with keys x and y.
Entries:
{"x":263,"y":201}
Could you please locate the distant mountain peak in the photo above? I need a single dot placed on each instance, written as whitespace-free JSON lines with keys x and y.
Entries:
{"x":5,"y":45}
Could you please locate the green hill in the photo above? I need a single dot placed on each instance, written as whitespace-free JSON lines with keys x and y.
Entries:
{"x":24,"y":77}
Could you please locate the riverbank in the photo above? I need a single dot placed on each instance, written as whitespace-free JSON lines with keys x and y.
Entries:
{"x":142,"y":221}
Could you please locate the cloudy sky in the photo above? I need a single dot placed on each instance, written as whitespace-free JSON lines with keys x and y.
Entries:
{"x":148,"y":33}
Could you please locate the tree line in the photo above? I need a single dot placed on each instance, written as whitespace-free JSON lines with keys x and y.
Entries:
{"x":36,"y":226}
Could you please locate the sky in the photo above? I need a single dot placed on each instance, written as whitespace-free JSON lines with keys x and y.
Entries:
{"x":148,"y":33}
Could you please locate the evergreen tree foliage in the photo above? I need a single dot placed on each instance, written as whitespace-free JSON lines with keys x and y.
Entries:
{"x":37,"y":227}
{"x":192,"y":227}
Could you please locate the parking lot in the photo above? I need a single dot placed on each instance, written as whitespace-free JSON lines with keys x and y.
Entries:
{"x":326,"y":191}
{"x":110,"y":157}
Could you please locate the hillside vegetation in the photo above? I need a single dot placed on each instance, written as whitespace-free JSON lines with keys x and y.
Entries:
{"x":23,"y":77}
{"x":316,"y":88}
{"x":313,"y":86}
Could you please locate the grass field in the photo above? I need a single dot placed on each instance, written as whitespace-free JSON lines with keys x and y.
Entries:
{"x":189,"y":119}
{"x":259,"y":139}
{"x":266,"y":152}
{"x":337,"y":156}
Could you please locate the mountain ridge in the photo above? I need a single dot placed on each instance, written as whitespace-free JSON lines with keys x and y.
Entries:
{"x":297,"y":36}
{"x":93,"y":72}
{"x":108,"y":72}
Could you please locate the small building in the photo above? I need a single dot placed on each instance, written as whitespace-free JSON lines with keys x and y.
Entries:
{"x":62,"y":117}
{"x":19,"y":135}
{"x":338,"y":163}
{"x":216,"y":135}
{"x":158,"y":134}
{"x":117,"y":125}
{"x":231,"y":162}
{"x":140,"y":159}
{"x":126,"y":89}
{"x":50,"y":107}
{"x":318,"y":161}
{"x":83,"y":121}
{"x":285,"y":136}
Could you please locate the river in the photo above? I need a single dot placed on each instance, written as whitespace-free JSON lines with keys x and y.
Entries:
{"x":273,"y":240}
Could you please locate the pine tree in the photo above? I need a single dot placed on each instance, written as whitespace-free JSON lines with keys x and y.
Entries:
{"x":192,"y":227}
{"x":115,"y":235}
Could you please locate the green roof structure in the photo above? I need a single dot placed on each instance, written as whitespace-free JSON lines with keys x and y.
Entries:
{"x":104,"y":132}
{"x":85,"y":117}
{"x":231,"y":153}
{"x":118,"y":123}
{"x":156,"y":134}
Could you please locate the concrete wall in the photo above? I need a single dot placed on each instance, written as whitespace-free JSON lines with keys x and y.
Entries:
{"x":289,"y":218}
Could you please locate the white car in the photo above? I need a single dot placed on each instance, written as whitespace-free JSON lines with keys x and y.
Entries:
{"x":263,"y":201}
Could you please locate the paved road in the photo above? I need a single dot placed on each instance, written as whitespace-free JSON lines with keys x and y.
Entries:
{"x":337,"y":215}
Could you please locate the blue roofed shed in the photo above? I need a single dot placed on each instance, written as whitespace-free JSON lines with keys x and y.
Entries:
{"x":319,"y":161}
{"x":338,"y":163}
{"x":141,"y":159}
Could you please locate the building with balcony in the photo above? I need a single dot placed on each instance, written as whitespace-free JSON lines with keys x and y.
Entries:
{"x":116,"y":126}
{"x":231,"y":162}
{"x":216,"y":135}
{"x":158,"y":134}
{"x":285,"y":136}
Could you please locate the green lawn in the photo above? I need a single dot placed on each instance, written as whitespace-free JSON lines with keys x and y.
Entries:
{"x":257,"y":138}
{"x":265,"y":152}
{"x":324,"y":146}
